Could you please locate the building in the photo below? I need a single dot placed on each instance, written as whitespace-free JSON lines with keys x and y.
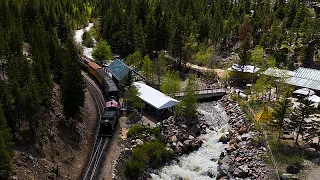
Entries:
{"x":118,"y":70}
{"x":306,"y":77}
{"x":302,"y":77}
{"x":154,"y":99}
{"x":247,"y":72}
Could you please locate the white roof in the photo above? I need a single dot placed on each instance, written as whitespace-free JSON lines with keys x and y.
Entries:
{"x":304,"y":91}
{"x":279,"y":72}
{"x":314,"y":98}
{"x":246,"y":68}
{"x":154,"y":97}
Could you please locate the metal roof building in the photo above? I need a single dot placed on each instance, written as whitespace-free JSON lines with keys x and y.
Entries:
{"x":279,"y":73}
{"x":305,"y":77}
{"x":118,"y":69}
{"x":154,"y":97}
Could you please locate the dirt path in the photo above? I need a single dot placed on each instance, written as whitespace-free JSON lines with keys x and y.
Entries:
{"x":112,"y":153}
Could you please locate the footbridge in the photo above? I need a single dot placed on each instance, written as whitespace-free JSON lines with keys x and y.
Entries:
{"x":204,"y":93}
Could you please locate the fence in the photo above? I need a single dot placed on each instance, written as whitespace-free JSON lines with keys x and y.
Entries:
{"x":268,"y":145}
{"x":202,"y":91}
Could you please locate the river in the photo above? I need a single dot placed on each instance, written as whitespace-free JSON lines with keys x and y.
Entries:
{"x":78,"y":39}
{"x":203,"y":163}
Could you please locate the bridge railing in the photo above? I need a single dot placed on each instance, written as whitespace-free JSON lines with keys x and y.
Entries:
{"x":202,"y":91}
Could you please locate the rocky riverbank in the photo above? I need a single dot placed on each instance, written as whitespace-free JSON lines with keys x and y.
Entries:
{"x":242,"y":158}
{"x":178,"y":137}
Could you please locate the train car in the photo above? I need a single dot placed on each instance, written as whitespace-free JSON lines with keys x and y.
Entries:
{"x":109,"y":119}
{"x":84,"y":62}
{"x":92,"y":68}
{"x":108,"y":86}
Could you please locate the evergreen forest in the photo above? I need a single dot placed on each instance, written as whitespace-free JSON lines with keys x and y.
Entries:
{"x":37,"y":49}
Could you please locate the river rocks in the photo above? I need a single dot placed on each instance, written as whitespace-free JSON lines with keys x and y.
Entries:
{"x":180,"y":137}
{"x":224,"y":139}
{"x":286,"y":176}
{"x":139,"y":142}
{"x":241,"y":158}
{"x":292,"y":169}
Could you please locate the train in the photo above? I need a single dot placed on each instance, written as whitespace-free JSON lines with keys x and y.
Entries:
{"x":110,"y":115}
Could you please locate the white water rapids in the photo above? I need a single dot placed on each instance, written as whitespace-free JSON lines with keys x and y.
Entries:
{"x":78,"y":39}
{"x":203,"y":163}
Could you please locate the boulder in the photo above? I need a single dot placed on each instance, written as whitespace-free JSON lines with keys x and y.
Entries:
{"x":286,"y":176}
{"x":187,"y":142}
{"x":139,"y":142}
{"x":224,"y":139}
{"x":173,"y":138}
{"x":223,"y":169}
{"x":191,"y":137}
{"x":196,"y":129}
{"x":245,"y":137}
{"x":292,"y":169}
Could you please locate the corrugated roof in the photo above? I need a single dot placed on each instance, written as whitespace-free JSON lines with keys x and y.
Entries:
{"x":278,"y":72}
{"x":118,"y":69}
{"x":305,"y":77}
{"x":308,"y":73}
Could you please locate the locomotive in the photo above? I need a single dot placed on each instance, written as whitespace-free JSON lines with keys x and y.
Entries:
{"x":110,"y":116}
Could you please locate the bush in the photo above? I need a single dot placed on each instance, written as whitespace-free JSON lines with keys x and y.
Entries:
{"x":135,"y":130}
{"x":134,"y":168}
{"x":153,"y":154}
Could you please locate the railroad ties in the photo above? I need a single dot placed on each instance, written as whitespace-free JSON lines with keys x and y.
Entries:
{"x":100,"y":143}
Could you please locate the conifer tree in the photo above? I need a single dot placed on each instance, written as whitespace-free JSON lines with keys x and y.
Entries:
{"x":189,"y":100}
{"x":299,"y":117}
{"x":72,"y":83}
{"x":147,"y":70}
{"x":280,"y":112}
{"x":5,"y":148}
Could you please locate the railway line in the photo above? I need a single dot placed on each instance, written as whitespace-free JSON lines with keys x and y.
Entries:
{"x":92,"y":170}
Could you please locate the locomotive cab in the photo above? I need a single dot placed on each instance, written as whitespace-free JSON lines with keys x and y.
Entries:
{"x":109,"y":119}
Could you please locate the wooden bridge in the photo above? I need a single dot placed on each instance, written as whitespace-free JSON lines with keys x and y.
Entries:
{"x":205,"y":93}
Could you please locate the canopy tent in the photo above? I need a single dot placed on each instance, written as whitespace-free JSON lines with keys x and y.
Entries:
{"x":314,"y":98}
{"x":154,"y":97}
{"x":304,"y":91}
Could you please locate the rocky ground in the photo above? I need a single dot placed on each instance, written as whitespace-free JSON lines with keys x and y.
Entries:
{"x":242,"y":158}
{"x":179,"y":138}
{"x":57,"y":153}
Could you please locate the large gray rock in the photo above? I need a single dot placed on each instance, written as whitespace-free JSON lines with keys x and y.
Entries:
{"x":139,"y":142}
{"x":292,"y":169}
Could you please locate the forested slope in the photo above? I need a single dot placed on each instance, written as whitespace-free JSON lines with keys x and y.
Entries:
{"x":186,"y":27}
{"x":36,"y":49}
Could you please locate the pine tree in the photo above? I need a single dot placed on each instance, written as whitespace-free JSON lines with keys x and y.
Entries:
{"x":5,"y":148}
{"x":171,"y":83}
{"x":131,"y":96}
{"x":147,"y":70}
{"x":189,"y":100}
{"x":299,"y":117}
{"x":72,"y":83}
{"x":280,"y":112}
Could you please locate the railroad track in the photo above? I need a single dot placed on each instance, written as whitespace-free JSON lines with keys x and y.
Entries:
{"x":92,"y":170}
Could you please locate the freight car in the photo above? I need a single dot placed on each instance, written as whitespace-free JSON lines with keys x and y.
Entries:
{"x":110,"y":115}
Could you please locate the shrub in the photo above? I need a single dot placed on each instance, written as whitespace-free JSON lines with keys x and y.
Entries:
{"x":134,"y":168}
{"x":153,"y":154}
{"x":135,"y":130}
